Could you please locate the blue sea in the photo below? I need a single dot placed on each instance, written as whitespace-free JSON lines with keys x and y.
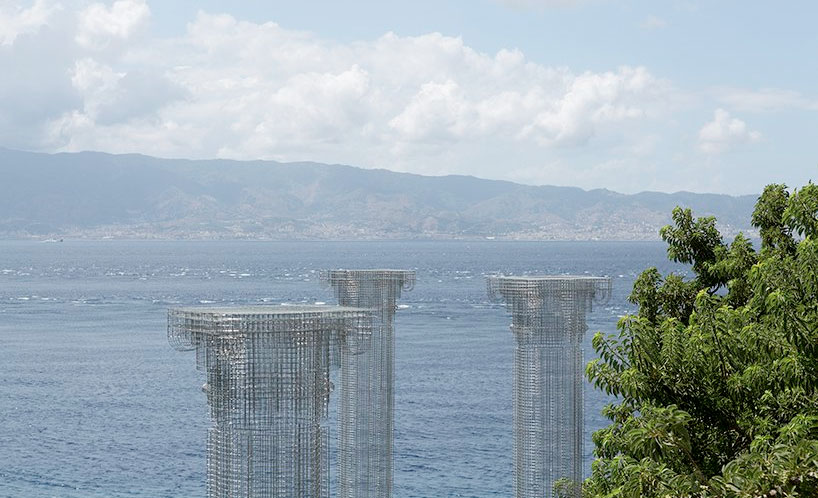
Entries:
{"x":95,"y":403}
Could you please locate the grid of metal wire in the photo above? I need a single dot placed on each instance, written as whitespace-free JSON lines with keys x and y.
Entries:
{"x":267,"y":389}
{"x":368,"y":382}
{"x":548,"y":321}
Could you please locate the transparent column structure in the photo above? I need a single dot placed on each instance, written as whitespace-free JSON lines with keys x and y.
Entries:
{"x":268,"y":387}
{"x":548,"y":322}
{"x":367,"y":398}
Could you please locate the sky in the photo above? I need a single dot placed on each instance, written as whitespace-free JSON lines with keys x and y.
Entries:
{"x":705,"y":96}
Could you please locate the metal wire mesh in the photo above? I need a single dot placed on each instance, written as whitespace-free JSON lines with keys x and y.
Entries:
{"x":267,"y":389}
{"x":368,"y":382}
{"x":548,"y":321}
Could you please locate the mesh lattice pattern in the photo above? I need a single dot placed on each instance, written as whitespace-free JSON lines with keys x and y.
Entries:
{"x":268,"y":390}
{"x":548,"y":321}
{"x":368,"y":382}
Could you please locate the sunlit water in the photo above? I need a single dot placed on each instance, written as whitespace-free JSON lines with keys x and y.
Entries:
{"x":95,"y":403}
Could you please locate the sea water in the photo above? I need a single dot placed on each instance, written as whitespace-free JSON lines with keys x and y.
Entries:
{"x":95,"y":403}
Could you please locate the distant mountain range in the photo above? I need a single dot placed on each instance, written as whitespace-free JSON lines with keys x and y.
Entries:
{"x":96,"y":195}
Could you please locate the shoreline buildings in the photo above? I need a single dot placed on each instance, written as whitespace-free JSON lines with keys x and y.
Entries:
{"x":367,"y":402}
{"x":548,"y":321}
{"x":268,"y":390}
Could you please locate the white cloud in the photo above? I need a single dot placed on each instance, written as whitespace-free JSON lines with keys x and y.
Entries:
{"x":589,"y":100}
{"x":237,"y":89}
{"x":437,"y":110}
{"x":110,"y":97}
{"x":765,"y":99}
{"x":247,"y":90}
{"x":724,"y":132}
{"x":99,"y":25}
{"x":15,"y":20}
{"x":90,"y":76}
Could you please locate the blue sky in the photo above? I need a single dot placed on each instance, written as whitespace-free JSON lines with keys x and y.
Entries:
{"x":716,"y":96}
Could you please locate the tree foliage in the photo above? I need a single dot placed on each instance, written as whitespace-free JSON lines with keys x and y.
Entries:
{"x":716,"y":376}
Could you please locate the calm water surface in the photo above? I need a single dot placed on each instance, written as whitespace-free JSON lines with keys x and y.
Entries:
{"x":95,"y":403}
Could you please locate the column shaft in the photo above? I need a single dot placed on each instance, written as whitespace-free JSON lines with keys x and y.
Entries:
{"x":548,"y":322}
{"x":368,"y":383}
{"x":267,"y":390}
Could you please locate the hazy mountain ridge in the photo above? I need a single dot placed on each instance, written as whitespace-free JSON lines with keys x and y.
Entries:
{"x":92,"y":194}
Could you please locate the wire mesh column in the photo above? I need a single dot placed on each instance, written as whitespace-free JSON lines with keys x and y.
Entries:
{"x":268,"y":387}
{"x":548,"y":321}
{"x":368,"y":382}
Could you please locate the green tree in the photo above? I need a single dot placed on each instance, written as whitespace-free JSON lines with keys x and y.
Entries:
{"x":716,"y":376}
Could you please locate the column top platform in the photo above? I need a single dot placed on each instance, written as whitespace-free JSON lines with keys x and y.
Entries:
{"x":373,"y":270}
{"x":405,"y":277}
{"x":189,"y":325}
{"x":538,"y":278}
{"x":264,"y":312}
{"x":500,"y":286}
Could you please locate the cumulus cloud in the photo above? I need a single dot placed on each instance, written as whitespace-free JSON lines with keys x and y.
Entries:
{"x":99,"y":25}
{"x":16,"y":20}
{"x":110,"y":97}
{"x":244,"y":90}
{"x":724,"y":132}
{"x":589,"y":100}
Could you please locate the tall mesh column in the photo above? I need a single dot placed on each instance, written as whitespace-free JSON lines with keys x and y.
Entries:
{"x":267,"y":389}
{"x":548,"y":321}
{"x":368,"y":382}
